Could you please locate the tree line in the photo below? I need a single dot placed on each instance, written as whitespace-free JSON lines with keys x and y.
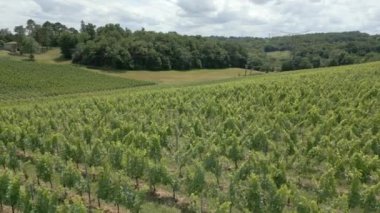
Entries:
{"x":112,"y":46}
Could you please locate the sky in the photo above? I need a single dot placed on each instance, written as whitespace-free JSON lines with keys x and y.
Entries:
{"x":253,"y":18}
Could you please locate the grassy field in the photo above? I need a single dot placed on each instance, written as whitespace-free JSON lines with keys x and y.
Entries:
{"x":22,"y":79}
{"x":53,"y":56}
{"x":183,"y":77}
{"x":278,"y":57}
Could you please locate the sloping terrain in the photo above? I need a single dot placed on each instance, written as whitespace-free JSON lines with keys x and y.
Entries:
{"x":303,"y":141}
{"x":22,"y":79}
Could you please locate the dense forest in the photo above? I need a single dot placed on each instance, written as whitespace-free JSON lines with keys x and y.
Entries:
{"x":112,"y":46}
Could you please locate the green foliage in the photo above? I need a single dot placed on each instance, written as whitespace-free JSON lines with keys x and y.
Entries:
{"x":196,"y":181}
{"x":45,"y":167}
{"x":327,"y":185}
{"x":67,"y":43}
{"x":371,"y":199}
{"x":29,"y":45}
{"x":279,"y":199}
{"x":354,"y":197}
{"x":304,"y":205}
{"x":4,"y":182}
{"x":74,"y":206}
{"x":70,"y":175}
{"x":13,"y":192}
{"x":136,"y":164}
{"x":105,"y":185}
{"x":300,"y":141}
{"x":254,"y":197}
{"x":46,"y":201}
{"x":157,"y":174}
{"x":112,"y":46}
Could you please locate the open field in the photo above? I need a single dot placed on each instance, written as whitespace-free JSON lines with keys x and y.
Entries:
{"x":184,"y":77}
{"x":283,"y":142}
{"x":278,"y":57}
{"x":162,"y":77}
{"x":52,"y":56}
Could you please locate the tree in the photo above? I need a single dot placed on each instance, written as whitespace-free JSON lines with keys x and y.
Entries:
{"x":278,"y":200}
{"x":254,"y":195}
{"x":46,"y":201}
{"x":211,"y":163}
{"x":196,"y":182}
{"x":26,"y":200}
{"x":74,"y":206}
{"x":4,"y":184}
{"x":136,"y":164}
{"x":45,"y":168}
{"x":13,"y":161}
{"x":115,"y":155}
{"x":67,"y":43}
{"x":156,"y":174}
{"x":5,"y":36}
{"x":303,"y":205}
{"x":354,"y":196}
{"x":96,"y":155}
{"x":287,"y":65}
{"x":133,"y":200}
{"x":235,"y":151}
{"x":29,"y":45}
{"x":104,"y":190}
{"x":30,"y":27}
{"x":70,"y":175}
{"x":13,"y":195}
{"x":175,"y":184}
{"x":3,"y":155}
{"x":20,"y":33}
{"x":327,"y":185}
{"x":88,"y":29}
{"x":255,"y":62}
{"x":371,"y":201}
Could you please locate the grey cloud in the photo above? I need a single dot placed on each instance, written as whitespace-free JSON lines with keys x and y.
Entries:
{"x":205,"y":17}
{"x":261,"y":1}
{"x":196,"y":7}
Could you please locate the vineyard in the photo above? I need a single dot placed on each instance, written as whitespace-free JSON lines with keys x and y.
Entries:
{"x":20,"y":80}
{"x":306,"y":141}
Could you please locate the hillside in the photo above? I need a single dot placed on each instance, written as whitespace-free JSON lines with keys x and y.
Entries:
{"x":305,"y":141}
{"x":22,"y":79}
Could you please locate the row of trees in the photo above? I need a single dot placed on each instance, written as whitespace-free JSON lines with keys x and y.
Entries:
{"x":115,"y":47}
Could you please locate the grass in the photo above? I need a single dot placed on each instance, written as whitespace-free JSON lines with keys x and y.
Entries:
{"x":182,"y":77}
{"x":21,"y":79}
{"x":278,"y":57}
{"x":53,"y":56}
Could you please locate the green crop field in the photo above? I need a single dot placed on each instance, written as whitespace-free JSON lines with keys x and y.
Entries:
{"x":20,"y":80}
{"x":303,"y":141}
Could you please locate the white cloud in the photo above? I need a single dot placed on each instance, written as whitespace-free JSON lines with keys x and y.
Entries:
{"x":204,"y":17}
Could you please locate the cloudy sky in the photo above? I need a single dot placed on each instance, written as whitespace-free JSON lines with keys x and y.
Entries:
{"x":260,"y":18}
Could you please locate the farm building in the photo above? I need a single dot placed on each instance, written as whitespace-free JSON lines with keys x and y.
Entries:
{"x":11,"y":46}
